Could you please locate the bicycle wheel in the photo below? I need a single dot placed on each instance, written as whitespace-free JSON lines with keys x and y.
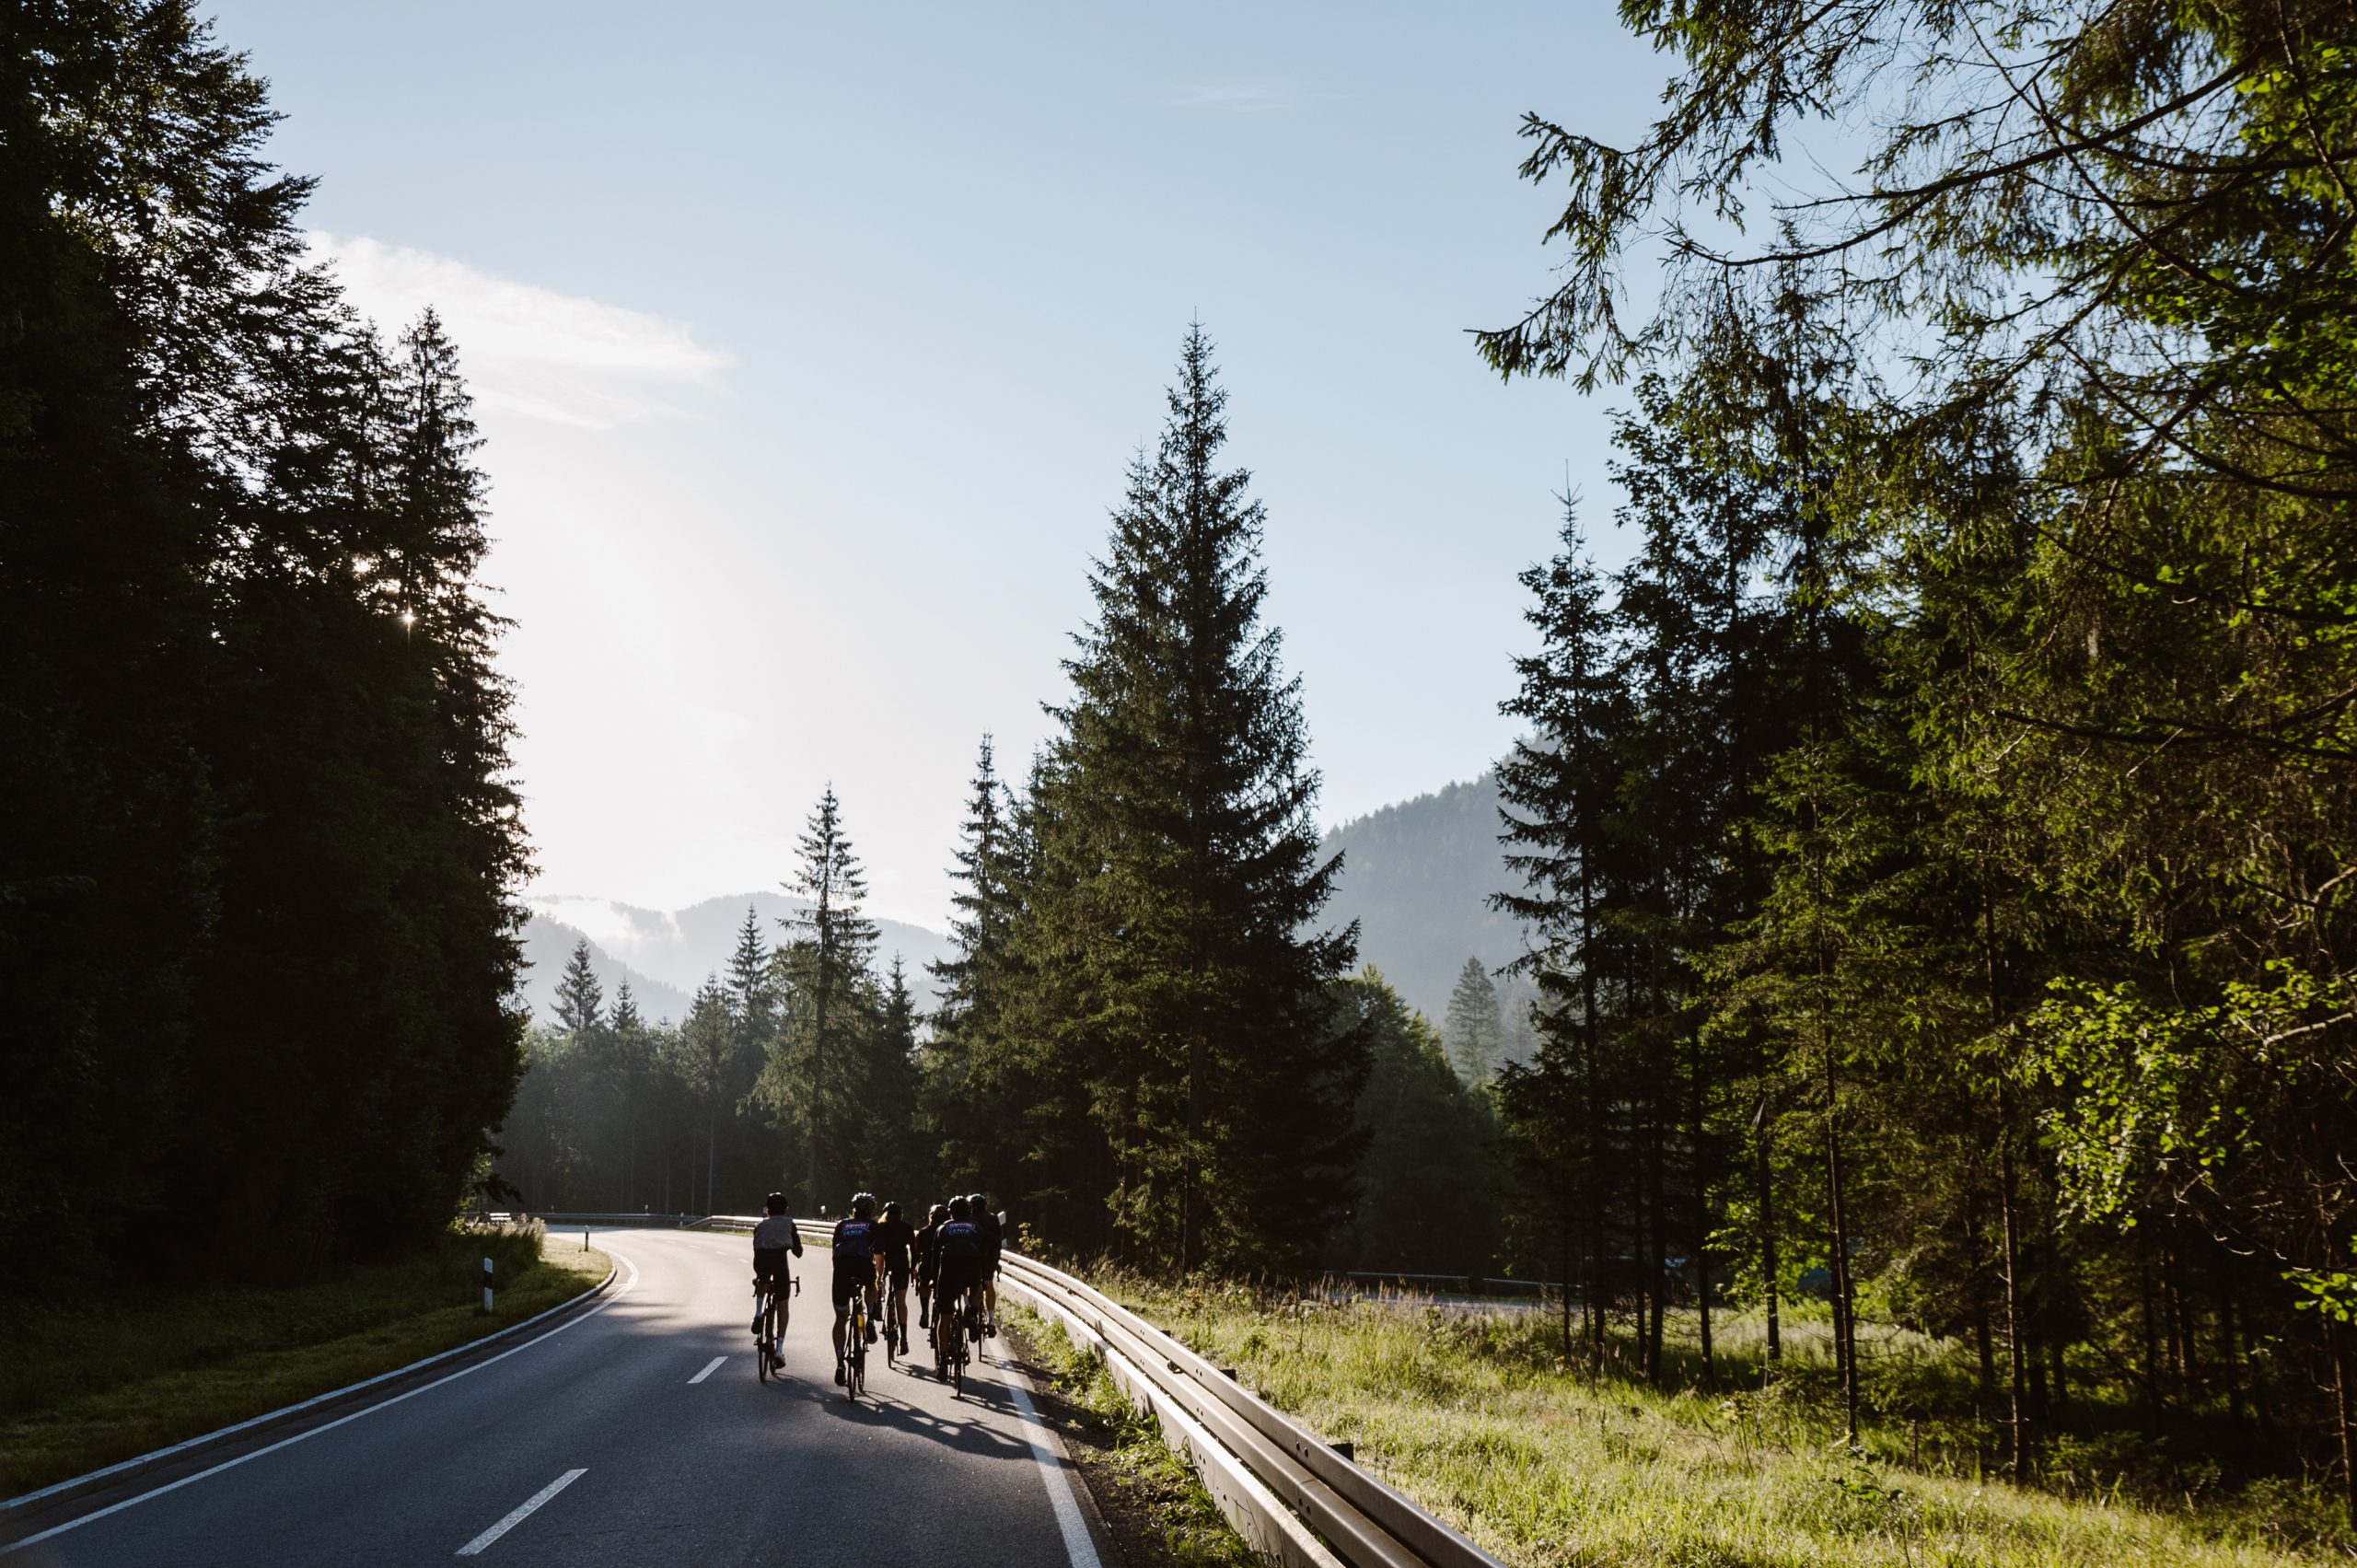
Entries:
{"x":766,"y":1317}
{"x":855,"y":1369}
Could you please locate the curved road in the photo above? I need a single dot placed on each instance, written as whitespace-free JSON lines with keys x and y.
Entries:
{"x":663,"y":1467}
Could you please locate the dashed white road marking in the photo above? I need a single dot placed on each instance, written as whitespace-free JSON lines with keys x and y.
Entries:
{"x":330,"y":1426}
{"x":709,"y":1368}
{"x":522,"y":1511}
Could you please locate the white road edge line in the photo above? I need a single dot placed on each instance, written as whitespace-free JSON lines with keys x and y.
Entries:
{"x":15,"y":1546}
{"x":523,"y":1510}
{"x":1078,"y":1545}
{"x":709,"y":1368}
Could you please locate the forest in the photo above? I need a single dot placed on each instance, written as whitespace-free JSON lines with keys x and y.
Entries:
{"x":1940,"y":833}
{"x":260,"y":847}
{"x":1934,"y":839}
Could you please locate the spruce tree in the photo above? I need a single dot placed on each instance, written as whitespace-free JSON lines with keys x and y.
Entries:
{"x":1559,"y":793}
{"x":825,"y":960}
{"x":1471,"y":1029}
{"x":750,"y":987}
{"x":580,"y":997}
{"x":1172,"y":921}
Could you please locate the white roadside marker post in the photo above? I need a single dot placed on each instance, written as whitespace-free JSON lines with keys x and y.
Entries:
{"x":487,"y":1287}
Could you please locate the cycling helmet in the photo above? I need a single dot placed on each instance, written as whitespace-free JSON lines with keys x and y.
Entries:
{"x":862,"y":1204}
{"x":892,"y":1208}
{"x":774,"y":1203}
{"x":937,"y":1213}
{"x":956,"y":1208}
{"x":976,"y":1205}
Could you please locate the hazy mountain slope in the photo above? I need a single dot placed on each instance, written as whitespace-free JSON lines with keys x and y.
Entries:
{"x":1417,"y":876}
{"x":548,"y":944}
{"x":667,"y":954}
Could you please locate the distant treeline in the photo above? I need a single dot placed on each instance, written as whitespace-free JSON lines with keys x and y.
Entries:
{"x":257,"y":841}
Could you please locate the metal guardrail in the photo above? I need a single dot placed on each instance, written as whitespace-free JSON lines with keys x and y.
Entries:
{"x":1293,"y":1498}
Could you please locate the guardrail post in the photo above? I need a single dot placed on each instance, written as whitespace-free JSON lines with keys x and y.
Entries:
{"x":585,"y":1238}
{"x":487,"y":1287}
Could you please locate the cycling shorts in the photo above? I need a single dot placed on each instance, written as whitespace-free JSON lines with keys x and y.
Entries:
{"x":956,"y":1276}
{"x":851,"y":1282}
{"x":770,"y":1263}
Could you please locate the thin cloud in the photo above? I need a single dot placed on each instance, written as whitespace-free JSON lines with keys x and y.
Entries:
{"x":527,"y":350}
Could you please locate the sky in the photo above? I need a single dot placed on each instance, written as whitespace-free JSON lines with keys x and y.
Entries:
{"x":811,"y":345}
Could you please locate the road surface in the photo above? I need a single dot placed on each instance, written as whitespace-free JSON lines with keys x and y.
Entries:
{"x":617,"y":1440}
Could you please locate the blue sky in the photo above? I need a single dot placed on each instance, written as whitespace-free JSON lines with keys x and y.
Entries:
{"x":813,"y":342}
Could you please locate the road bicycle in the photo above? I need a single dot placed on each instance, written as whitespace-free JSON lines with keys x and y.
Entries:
{"x":855,"y":1352}
{"x":950,"y":1356}
{"x":771,"y":1309}
{"x":896,"y":1322}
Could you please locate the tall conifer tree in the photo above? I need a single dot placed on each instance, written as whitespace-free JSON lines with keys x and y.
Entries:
{"x":1173,"y":922}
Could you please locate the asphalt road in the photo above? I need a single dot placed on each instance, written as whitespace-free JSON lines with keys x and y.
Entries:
{"x":633,"y":1459}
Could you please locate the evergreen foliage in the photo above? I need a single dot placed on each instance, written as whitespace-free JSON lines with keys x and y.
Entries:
{"x":1162,"y":1009}
{"x":1472,"y":1033}
{"x":1941,"y":838}
{"x":260,"y":847}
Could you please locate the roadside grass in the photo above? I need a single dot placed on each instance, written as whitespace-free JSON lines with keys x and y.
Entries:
{"x":1474,"y":1414}
{"x":110,"y":1377}
{"x":1152,"y":1502}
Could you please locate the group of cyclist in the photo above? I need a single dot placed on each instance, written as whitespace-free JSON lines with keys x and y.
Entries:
{"x":954,"y":1260}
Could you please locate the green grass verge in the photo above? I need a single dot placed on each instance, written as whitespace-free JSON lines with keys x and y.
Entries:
{"x":1473,"y":1415}
{"x":114,"y":1377}
{"x":1148,"y":1494}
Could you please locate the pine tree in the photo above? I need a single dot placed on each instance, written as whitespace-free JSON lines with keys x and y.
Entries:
{"x":813,"y":1074}
{"x":580,"y":998}
{"x":707,"y":1051}
{"x":1473,"y":1029}
{"x":631,"y":1059}
{"x":1170,"y":925}
{"x":750,"y":987}
{"x":1559,"y":793}
{"x":893,"y":1159}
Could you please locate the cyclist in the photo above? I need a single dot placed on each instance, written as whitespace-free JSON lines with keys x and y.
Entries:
{"x":977,"y":1210}
{"x":774,"y":1240}
{"x":925,"y":1239}
{"x":856,"y":1267}
{"x":958,"y":1251}
{"x":894,"y":1238}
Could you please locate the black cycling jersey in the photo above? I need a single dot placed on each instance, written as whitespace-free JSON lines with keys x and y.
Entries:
{"x":893,"y":1239}
{"x":928,"y":1240}
{"x":958,"y":1239}
{"x":855,"y":1245}
{"x":988,"y":1225}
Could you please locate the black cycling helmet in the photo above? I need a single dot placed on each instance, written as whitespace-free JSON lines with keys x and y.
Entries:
{"x":976,"y":1205}
{"x":892,"y":1210}
{"x":774,"y":1203}
{"x":937,"y":1213}
{"x":862,"y":1204}
{"x":956,"y":1208}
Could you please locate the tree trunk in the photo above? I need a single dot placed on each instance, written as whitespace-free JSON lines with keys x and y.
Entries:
{"x":1657,"y":1258}
{"x":1845,"y":1334}
{"x":2017,"y":1385}
{"x":1768,"y":1263}
{"x":2344,"y":1401}
{"x":1982,"y":1340}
